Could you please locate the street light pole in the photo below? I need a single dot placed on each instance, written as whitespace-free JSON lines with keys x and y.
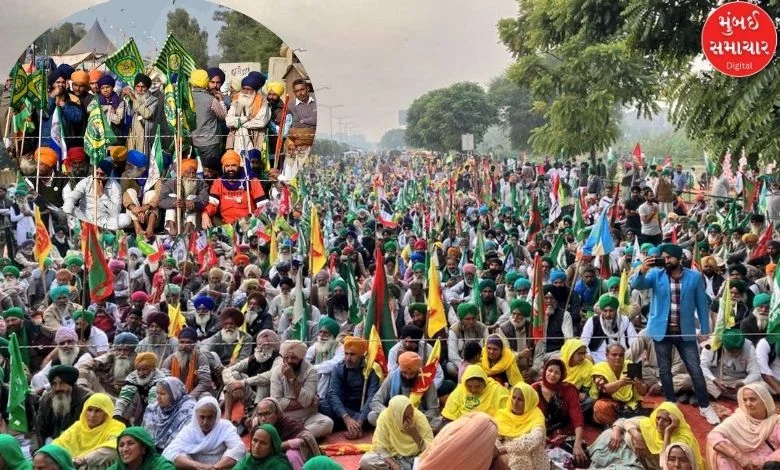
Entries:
{"x":330,"y":108}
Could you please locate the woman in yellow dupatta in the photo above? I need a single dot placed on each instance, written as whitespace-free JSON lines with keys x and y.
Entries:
{"x":574,"y":354}
{"x":499,"y":362}
{"x":522,"y":430}
{"x":475,"y":393}
{"x":613,"y":391}
{"x":402,"y":433}
{"x":92,"y":439}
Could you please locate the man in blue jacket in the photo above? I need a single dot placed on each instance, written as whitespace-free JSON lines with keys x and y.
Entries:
{"x":672,"y":320}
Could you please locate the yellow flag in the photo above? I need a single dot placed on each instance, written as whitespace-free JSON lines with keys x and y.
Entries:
{"x":622,"y":292}
{"x":273,"y":253}
{"x":437,"y":319}
{"x":42,"y":240}
{"x":375,"y":357}
{"x":176,"y":320}
{"x":725,"y":319}
{"x":317,"y":245}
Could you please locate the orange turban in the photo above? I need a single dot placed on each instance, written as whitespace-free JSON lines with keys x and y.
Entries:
{"x":231,"y":158}
{"x":770,"y":268}
{"x":409,"y":362}
{"x":95,"y":75}
{"x":46,"y":156}
{"x":356,"y":344}
{"x":239,"y":258}
{"x":80,"y":76}
{"x":189,"y":164}
{"x":148,"y":359}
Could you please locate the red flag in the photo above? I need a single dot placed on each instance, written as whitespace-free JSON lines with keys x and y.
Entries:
{"x":207,"y":258}
{"x":638,"y":155}
{"x":158,"y":256}
{"x":668,"y":160}
{"x":583,"y":202}
{"x":122,"y":248}
{"x":101,"y":279}
{"x":284,"y":202}
{"x":534,"y":221}
{"x":761,"y":246}
{"x":537,"y":298}
{"x":378,"y":313}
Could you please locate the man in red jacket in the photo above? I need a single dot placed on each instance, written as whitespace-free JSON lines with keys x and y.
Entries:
{"x":230,"y":197}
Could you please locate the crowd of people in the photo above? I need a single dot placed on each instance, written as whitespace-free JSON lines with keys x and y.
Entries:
{"x":571,"y":297}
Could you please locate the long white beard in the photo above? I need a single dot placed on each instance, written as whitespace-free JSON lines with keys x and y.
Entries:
{"x":189,"y":185}
{"x":183,"y":358}
{"x":157,"y":338}
{"x":245,"y":102}
{"x":229,"y":336}
{"x":761,"y":321}
{"x":262,"y":355}
{"x":122,"y":367}
{"x":322,"y":294}
{"x":518,"y":324}
{"x":202,"y":320}
{"x":60,"y":404}
{"x":146,"y":380}
{"x":251,"y":316}
{"x":323,"y":348}
{"x":68,"y":357}
{"x":134,"y":173}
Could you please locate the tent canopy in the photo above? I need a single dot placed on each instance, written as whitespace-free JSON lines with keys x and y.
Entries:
{"x":95,"y":42}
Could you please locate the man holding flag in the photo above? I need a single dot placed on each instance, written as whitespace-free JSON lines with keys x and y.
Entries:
{"x":671,"y":322}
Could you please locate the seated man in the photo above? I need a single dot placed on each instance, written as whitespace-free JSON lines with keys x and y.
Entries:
{"x":190,"y":365}
{"x":80,"y":203}
{"x":157,"y":339}
{"x":768,"y":360}
{"x":517,"y":333}
{"x":60,"y":406}
{"x":205,"y":321}
{"x":139,"y":390}
{"x":60,"y":311}
{"x":608,"y":327}
{"x":560,"y":327}
{"x":90,"y":337}
{"x":66,"y":353}
{"x":616,"y":395}
{"x":739,"y":366}
{"x":107,"y":373}
{"x":493,"y":310}
{"x":294,"y":385}
{"x":228,"y":196}
{"x":349,"y":395}
{"x":194,"y":197}
{"x":402,"y":381}
{"x":411,"y":340}
{"x":249,"y":380}
{"x":467,"y":329}
{"x":230,"y":344}
{"x":643,"y":350}
{"x":754,"y":326}
{"x":325,"y":354}
{"x":141,"y":193}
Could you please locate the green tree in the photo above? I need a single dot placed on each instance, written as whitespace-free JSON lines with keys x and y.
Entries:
{"x":242,"y":39}
{"x":437,"y":119}
{"x":392,"y":139}
{"x":55,"y":41}
{"x":329,"y":147}
{"x":187,"y":31}
{"x":513,"y":104}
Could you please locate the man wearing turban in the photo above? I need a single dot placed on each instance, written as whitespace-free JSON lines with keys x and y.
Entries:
{"x":194,"y":198}
{"x":517,"y":331}
{"x":113,"y":106}
{"x":157,"y":340}
{"x":248,"y":115}
{"x":91,"y":337}
{"x":467,"y":329}
{"x":230,"y":344}
{"x":80,"y":87}
{"x":229,"y":192}
{"x":143,"y":105}
{"x":294,"y":386}
{"x":139,"y":390}
{"x":325,"y":353}
{"x":462,"y":290}
{"x":210,"y":112}
{"x":67,"y":352}
{"x":410,"y":339}
{"x":349,"y":395}
{"x":754,"y":326}
{"x":205,"y":322}
{"x":94,"y":77}
{"x":72,"y":115}
{"x":672,"y":320}
{"x":494,"y":309}
{"x":50,"y":185}
{"x":107,"y":373}
{"x":60,"y":405}
{"x":740,"y":365}
{"x":141,"y":192}
{"x":275,"y":96}
{"x":248,"y":381}
{"x":60,"y":311}
{"x":608,"y":327}
{"x":190,"y":365}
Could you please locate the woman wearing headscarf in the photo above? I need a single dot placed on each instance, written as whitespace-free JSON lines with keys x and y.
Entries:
{"x":560,"y":404}
{"x":521,"y":430}
{"x":499,"y":362}
{"x":265,"y":451}
{"x":169,"y":413}
{"x":52,"y":455}
{"x":679,"y":456}
{"x":469,"y":442}
{"x":637,"y":443}
{"x":475,"y":393}
{"x":322,"y":462}
{"x":136,"y":450}
{"x":748,"y":437}
{"x":206,"y":440}
{"x":11,"y":456}
{"x":297,"y":442}
{"x":579,"y":368}
{"x":92,"y":439}
{"x":402,"y":433}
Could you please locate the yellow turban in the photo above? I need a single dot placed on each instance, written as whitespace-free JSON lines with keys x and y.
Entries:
{"x":80,"y":77}
{"x":356,"y":344}
{"x":118,"y":153}
{"x":749,"y":238}
{"x":46,"y":156}
{"x":276,"y":88}
{"x":231,"y":158}
{"x":148,"y":359}
{"x":199,"y":78}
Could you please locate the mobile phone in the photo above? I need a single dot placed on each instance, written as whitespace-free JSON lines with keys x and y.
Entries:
{"x":659,"y":262}
{"x":634,"y":370}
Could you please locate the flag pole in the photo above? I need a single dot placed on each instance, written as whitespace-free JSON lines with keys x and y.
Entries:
{"x":280,"y":137}
{"x":178,"y":150}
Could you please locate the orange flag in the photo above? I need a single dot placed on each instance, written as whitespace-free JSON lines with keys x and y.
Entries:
{"x":317,"y":245}
{"x":425,"y":379}
{"x":42,"y":240}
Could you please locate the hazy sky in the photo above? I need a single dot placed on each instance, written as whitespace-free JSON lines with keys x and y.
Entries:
{"x":374,"y":57}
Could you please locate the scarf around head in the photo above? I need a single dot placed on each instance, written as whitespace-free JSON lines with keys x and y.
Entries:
{"x":655,"y":439}
{"x":163,"y":423}
{"x":579,"y":375}
{"x":152,"y":460}
{"x":624,"y":394}
{"x":276,"y":460}
{"x":512,"y":425}
{"x":79,"y":439}
{"x":11,"y":453}
{"x":507,"y":364}
{"x":461,"y":402}
{"x":389,"y":434}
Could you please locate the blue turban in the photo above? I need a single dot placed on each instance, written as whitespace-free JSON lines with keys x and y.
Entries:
{"x":253,"y":154}
{"x":107,"y":166}
{"x":65,"y":71}
{"x":204,"y":301}
{"x":137,"y":159}
{"x":417,"y":257}
{"x":557,"y":275}
{"x":125,"y":339}
{"x":106,"y":80}
{"x":215,"y":71}
{"x":255,"y":81}
{"x":522,"y":283}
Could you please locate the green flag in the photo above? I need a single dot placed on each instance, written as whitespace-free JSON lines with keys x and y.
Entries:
{"x":36,"y":89}
{"x":353,"y":293}
{"x":479,"y":250}
{"x":300,"y":319}
{"x":22,"y":120}
{"x":98,"y":135}
{"x":558,"y":253}
{"x":17,"y":389}
{"x":174,"y":58}
{"x":18,"y":86}
{"x":774,"y":303}
{"x":126,"y":63}
{"x":157,"y":153}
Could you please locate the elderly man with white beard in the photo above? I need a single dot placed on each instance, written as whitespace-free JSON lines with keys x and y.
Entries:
{"x":281,"y":302}
{"x":190,"y":202}
{"x":517,"y":332}
{"x":61,"y":406}
{"x":204,"y":322}
{"x":230,"y":344}
{"x":216,"y":288}
{"x":325,"y":353}
{"x":60,"y":312}
{"x":249,"y":380}
{"x":107,"y":373}
{"x":755,"y":325}
{"x":144,"y":108}
{"x":139,"y":390}
{"x":190,"y":365}
{"x":607,"y":328}
{"x":467,"y":329}
{"x":141,"y":190}
{"x":248,"y":115}
{"x":157,"y":339}
{"x":66,"y":353}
